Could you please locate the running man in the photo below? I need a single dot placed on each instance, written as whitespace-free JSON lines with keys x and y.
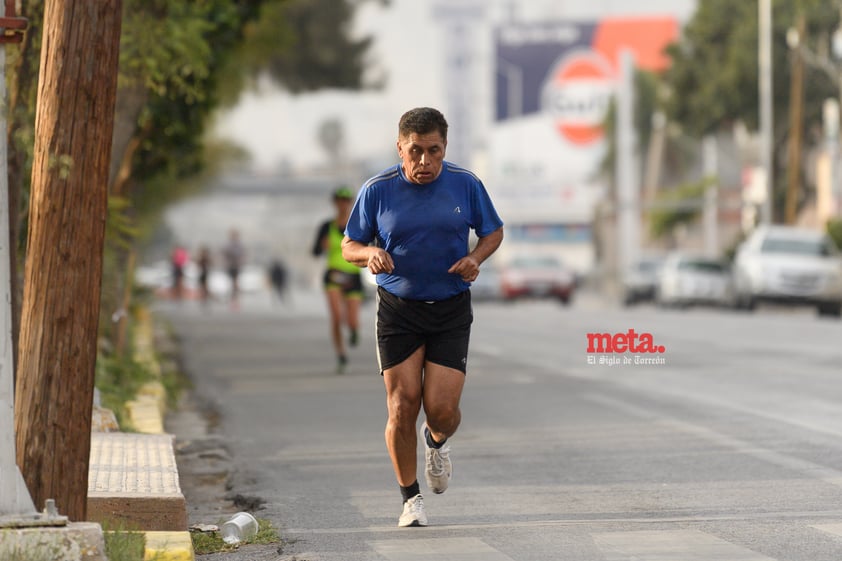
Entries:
{"x":234,"y":254}
{"x":410,"y":225}
{"x":342,"y":282}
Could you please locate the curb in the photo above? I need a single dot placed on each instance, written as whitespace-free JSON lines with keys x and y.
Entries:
{"x":146,"y":413}
{"x":168,"y":546}
{"x":146,"y":410}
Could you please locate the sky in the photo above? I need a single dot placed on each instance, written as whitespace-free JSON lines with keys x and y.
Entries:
{"x":410,"y":46}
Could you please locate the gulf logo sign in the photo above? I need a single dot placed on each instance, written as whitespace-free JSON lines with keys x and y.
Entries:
{"x":577,"y":93}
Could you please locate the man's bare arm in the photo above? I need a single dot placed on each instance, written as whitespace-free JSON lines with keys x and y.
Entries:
{"x":376,"y":259}
{"x":468,"y":266}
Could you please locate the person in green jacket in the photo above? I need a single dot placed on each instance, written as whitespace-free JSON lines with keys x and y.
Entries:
{"x":342,"y":282}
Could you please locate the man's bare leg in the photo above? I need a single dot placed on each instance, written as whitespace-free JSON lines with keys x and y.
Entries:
{"x":442,"y":392}
{"x":404,"y":384}
{"x":441,"y":395}
{"x":403,"y":399}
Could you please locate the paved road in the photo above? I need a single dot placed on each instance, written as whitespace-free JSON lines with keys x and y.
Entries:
{"x":729,"y":450}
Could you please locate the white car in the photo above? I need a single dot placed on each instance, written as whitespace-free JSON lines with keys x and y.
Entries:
{"x":640,"y":283}
{"x":687,"y":279}
{"x":789,"y":265}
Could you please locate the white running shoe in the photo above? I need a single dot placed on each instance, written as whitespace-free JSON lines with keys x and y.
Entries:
{"x":438,"y":468}
{"x":413,"y":513}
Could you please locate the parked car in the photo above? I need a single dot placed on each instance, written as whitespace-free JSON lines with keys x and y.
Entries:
{"x":537,"y":276}
{"x":640,"y":282}
{"x":687,"y":279}
{"x":789,"y":265}
{"x":488,"y":284}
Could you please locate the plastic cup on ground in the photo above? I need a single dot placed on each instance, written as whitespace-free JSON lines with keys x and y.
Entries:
{"x":238,"y":528}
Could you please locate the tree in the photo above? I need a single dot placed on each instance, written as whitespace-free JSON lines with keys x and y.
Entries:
{"x":171,"y":55}
{"x":200,"y":56}
{"x":318,"y":51}
{"x":303,"y":45}
{"x":714,"y":71}
{"x":58,"y":339}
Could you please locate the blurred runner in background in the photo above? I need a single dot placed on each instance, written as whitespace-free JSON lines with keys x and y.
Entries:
{"x":235,"y":255}
{"x":278,"y":278}
{"x":204,"y":263}
{"x":178,"y":260}
{"x":342,"y":281}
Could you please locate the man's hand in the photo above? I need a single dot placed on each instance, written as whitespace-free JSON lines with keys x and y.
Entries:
{"x":380,"y":261}
{"x":467,"y":268}
{"x":363,"y":255}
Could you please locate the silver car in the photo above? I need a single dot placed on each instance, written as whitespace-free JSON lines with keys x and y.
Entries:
{"x":789,"y":265}
{"x":687,"y":279}
{"x":640,"y":283}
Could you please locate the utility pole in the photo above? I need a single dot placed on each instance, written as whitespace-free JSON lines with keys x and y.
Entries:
{"x":68,"y":208}
{"x":766,"y":115}
{"x":796,"y":111}
{"x":830,"y":191}
{"x":710,"y":214}
{"x":628,"y":184}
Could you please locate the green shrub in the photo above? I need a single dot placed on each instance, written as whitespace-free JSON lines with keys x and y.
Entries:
{"x":123,"y":544}
{"x":834,"y":229}
{"x":118,"y":379}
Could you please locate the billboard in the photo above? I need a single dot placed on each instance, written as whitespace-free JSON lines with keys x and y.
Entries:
{"x":554,"y":82}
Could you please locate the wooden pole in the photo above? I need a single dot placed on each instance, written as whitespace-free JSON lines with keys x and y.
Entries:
{"x":765,"y":95}
{"x":796,"y":111}
{"x":68,"y":207}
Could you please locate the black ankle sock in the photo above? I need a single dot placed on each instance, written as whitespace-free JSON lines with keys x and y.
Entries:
{"x":411,"y":491}
{"x":430,"y":442}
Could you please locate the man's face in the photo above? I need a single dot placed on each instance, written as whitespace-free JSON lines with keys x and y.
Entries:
{"x":343,"y":205}
{"x":422,"y":156}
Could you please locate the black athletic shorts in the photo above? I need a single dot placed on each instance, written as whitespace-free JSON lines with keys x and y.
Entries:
{"x":350,"y":284}
{"x":443,"y":327}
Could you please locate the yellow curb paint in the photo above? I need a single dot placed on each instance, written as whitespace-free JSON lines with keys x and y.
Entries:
{"x":168,"y":546}
{"x":145,"y":415}
{"x":155,"y":390}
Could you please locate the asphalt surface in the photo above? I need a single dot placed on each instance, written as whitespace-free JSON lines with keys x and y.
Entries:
{"x":725,"y":447}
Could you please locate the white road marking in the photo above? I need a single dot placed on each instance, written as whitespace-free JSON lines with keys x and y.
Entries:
{"x":835,"y":529}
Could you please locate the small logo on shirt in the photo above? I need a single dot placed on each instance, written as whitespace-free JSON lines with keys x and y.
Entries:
{"x":457,"y":210}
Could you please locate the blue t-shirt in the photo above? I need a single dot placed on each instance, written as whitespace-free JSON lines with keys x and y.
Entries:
{"x":425,"y":228}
